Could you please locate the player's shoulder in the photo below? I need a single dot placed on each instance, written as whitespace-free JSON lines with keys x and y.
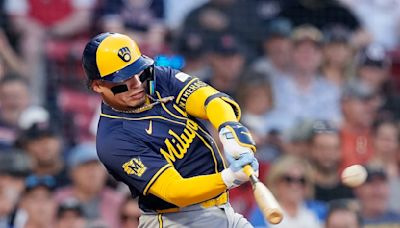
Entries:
{"x":117,"y":144}
{"x":118,"y":136}
{"x":163,"y":73}
{"x":169,"y":78}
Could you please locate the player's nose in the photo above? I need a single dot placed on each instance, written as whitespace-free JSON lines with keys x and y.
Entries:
{"x":134,"y":82}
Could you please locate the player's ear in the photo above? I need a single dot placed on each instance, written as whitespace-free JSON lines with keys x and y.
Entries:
{"x":95,"y":85}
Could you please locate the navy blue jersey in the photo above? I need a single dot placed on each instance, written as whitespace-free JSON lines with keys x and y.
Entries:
{"x":137,"y":148}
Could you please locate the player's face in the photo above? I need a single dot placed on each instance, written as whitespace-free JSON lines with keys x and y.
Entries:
{"x":124,"y":95}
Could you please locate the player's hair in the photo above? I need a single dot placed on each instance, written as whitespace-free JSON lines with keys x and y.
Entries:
{"x":344,"y":205}
{"x":382,"y":121}
{"x":88,"y":83}
{"x":254,"y":79}
{"x":283,"y":165}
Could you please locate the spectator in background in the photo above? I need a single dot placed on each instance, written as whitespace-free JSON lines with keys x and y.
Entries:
{"x":39,"y":22}
{"x":307,"y":91}
{"x":37,"y":208}
{"x":373,"y":69}
{"x":385,"y":138}
{"x":296,"y":139}
{"x":276,"y":46}
{"x":290,"y":180}
{"x":218,"y":17}
{"x":259,"y":115}
{"x":320,"y":13}
{"x":324,"y":14}
{"x":373,"y":196}
{"x":88,"y":186}
{"x":14,"y":100}
{"x":15,"y":166}
{"x":191,"y":46}
{"x":141,"y":19}
{"x":177,"y":10}
{"x":373,"y":66}
{"x":129,"y":213}
{"x":359,"y":112}
{"x":270,"y":9}
{"x":325,"y":157}
{"x":44,"y":145}
{"x":227,"y":64}
{"x":337,"y":55}
{"x":380,"y":18}
{"x":343,"y":214}
{"x":70,"y":214}
{"x":10,"y":61}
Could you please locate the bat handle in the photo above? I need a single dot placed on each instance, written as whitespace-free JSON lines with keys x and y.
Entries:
{"x":248,"y":170}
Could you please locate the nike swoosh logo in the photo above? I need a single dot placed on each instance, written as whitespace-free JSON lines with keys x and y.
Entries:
{"x":150,"y":129}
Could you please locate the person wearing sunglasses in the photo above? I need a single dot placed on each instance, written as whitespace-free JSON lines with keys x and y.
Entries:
{"x":149,"y":136}
{"x":290,"y":180}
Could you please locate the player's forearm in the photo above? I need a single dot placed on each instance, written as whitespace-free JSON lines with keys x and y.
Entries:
{"x":173,"y":188}
{"x":219,"y":112}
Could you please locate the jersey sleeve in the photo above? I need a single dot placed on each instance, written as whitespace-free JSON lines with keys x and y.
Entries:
{"x":179,"y":84}
{"x":131,"y":161}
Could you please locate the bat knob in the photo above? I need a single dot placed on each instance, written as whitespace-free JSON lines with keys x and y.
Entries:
{"x":275,"y":216}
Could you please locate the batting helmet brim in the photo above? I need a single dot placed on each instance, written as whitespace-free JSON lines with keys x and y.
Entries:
{"x":129,"y":71}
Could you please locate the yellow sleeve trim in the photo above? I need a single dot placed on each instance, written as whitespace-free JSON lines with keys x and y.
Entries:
{"x":154,"y":178}
{"x":173,"y":188}
{"x":195,"y":102}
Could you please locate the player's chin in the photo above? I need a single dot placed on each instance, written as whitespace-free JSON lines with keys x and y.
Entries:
{"x":137,"y":101}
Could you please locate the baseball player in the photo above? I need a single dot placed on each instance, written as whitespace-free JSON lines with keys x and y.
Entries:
{"x":150,"y":137}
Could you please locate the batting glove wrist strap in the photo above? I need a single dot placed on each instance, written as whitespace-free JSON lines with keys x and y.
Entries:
{"x":236,"y":138}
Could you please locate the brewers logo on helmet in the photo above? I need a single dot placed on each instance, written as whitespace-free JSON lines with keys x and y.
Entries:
{"x":115,"y":58}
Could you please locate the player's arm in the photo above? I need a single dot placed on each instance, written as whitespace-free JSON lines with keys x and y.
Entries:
{"x":224,"y":114}
{"x":208,"y":103}
{"x":172,"y":187}
{"x":201,"y":100}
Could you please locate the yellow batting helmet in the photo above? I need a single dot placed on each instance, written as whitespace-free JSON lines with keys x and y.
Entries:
{"x":113,"y":57}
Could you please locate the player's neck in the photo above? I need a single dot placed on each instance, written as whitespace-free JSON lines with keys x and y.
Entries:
{"x":148,"y":104}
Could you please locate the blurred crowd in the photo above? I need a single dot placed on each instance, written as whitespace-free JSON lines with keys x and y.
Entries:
{"x":318,"y":82}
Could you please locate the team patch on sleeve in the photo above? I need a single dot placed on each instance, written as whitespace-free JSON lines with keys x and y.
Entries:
{"x":182,"y":76}
{"x":134,"y":167}
{"x":184,"y":94}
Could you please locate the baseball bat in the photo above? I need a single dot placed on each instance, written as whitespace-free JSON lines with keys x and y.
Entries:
{"x":265,"y":200}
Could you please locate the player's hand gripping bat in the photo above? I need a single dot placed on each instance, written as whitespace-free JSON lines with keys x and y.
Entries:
{"x":236,"y":139}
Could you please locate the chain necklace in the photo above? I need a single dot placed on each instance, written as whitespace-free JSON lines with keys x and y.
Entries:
{"x":146,"y":106}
